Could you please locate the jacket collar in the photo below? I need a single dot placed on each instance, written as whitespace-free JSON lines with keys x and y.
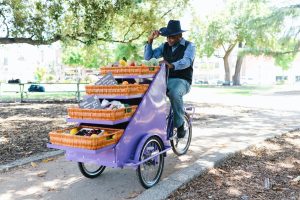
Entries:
{"x":182,"y":42}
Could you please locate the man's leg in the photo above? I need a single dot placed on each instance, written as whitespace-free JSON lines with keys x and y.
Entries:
{"x":176,"y":89}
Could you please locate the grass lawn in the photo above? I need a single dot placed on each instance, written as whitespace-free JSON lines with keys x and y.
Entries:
{"x":13,"y":96}
{"x":238,"y":90}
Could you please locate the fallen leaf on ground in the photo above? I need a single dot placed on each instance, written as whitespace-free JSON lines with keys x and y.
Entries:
{"x":47,"y":160}
{"x":133,"y":195}
{"x":51,"y":189}
{"x":296,"y":180}
{"x":33,"y":164}
{"x":42,"y":174}
{"x":244,"y":197}
{"x":267,"y":183}
{"x":277,"y":188}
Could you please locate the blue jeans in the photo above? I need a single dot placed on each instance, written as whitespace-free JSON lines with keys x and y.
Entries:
{"x":177,"y":87}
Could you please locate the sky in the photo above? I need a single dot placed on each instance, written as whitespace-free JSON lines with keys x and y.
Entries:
{"x":203,"y":8}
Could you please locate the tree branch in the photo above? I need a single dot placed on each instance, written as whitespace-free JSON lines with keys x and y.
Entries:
{"x":218,"y":56}
{"x":132,"y":39}
{"x":83,"y":35}
{"x":272,"y":53}
{"x":223,"y":47}
{"x":296,"y":35}
{"x":229,"y":50}
{"x":167,"y":12}
{"x":129,"y":28}
{"x":4,"y":21}
{"x":137,"y":37}
{"x":7,"y":40}
{"x":19,"y":40}
{"x":31,"y":41}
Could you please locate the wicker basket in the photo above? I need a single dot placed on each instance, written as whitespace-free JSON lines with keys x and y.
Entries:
{"x":101,"y":114}
{"x":150,"y":70}
{"x":120,"y":90}
{"x":131,"y":70}
{"x":62,"y":137}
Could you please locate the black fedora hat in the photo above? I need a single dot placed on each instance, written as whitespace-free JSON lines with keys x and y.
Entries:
{"x":173,"y":28}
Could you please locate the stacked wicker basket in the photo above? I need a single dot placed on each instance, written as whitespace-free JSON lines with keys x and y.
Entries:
{"x":62,"y":137}
{"x":120,"y":90}
{"x":130,"y":70}
{"x":110,"y":136}
{"x":101,"y":114}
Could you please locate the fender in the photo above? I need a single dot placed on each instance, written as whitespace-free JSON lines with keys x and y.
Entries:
{"x":141,"y":144}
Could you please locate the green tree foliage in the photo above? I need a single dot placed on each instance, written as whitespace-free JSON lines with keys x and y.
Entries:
{"x":40,"y":73}
{"x":87,"y":21}
{"x":129,"y":51}
{"x":131,"y":27}
{"x":281,"y":36}
{"x":253,"y":25}
{"x":228,"y":28}
{"x":89,"y":56}
{"x":33,"y":22}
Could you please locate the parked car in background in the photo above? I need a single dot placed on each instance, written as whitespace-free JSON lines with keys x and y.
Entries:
{"x":14,"y":81}
{"x":201,"y":82}
{"x":219,"y":82}
{"x":214,"y":82}
{"x":226,"y":83}
{"x":36,"y":88}
{"x":248,"y":81}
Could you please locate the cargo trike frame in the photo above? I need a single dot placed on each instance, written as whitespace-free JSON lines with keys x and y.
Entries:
{"x":147,"y":137}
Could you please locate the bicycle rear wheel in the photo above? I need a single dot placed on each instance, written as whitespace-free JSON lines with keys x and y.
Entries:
{"x":181,"y":145}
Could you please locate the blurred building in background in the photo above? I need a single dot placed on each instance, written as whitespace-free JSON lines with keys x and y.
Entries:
{"x":256,"y":70}
{"x":20,"y":61}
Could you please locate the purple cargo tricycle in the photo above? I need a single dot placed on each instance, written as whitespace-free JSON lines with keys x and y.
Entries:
{"x":147,"y":136}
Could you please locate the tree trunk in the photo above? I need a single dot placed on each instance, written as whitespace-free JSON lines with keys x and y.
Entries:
{"x":226,"y":63}
{"x":237,"y":72}
{"x":227,"y":70}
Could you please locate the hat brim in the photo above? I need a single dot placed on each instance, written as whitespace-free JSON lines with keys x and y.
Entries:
{"x":167,"y":32}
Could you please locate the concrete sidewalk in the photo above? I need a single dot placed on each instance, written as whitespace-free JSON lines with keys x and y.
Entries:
{"x":264,"y":116}
{"x":219,"y":140}
{"x":218,"y":131}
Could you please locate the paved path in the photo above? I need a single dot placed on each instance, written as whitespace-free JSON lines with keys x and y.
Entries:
{"x":217,"y":131}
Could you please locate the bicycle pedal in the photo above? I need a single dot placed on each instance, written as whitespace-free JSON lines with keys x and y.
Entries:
{"x":173,"y":137}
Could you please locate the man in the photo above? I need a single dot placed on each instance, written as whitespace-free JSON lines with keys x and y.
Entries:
{"x":178,"y":55}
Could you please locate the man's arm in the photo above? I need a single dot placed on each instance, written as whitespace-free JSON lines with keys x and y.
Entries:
{"x":153,"y":53}
{"x":149,"y":52}
{"x":188,"y":57}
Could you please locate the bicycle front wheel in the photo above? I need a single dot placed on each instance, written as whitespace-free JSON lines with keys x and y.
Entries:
{"x":90,"y":170}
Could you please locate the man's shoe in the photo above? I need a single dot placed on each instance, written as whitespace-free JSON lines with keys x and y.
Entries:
{"x":181,"y":132}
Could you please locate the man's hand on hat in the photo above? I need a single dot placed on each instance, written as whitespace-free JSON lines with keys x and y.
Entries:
{"x":169,"y":65}
{"x":152,"y":36}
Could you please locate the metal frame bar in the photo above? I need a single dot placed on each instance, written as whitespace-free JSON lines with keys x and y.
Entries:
{"x":135,"y":164}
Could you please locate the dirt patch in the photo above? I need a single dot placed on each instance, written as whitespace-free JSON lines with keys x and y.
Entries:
{"x":270,"y":170}
{"x":24,"y":128}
